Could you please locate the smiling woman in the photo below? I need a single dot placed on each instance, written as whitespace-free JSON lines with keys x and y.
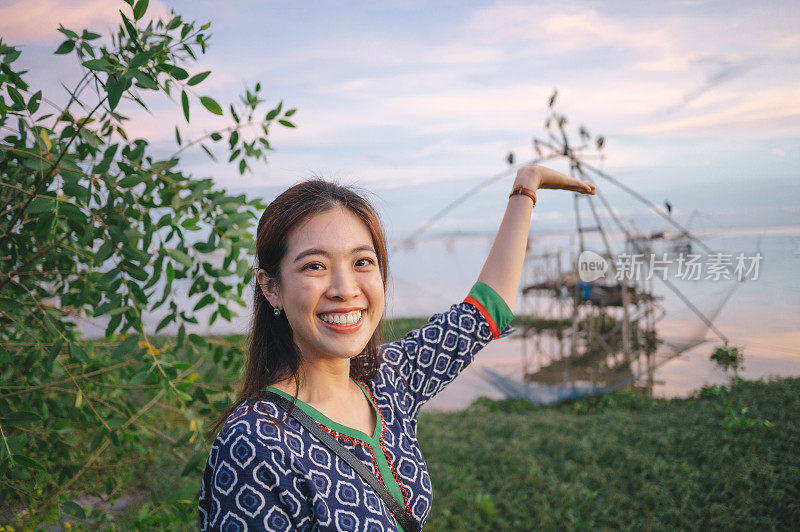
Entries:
{"x":316,"y":343}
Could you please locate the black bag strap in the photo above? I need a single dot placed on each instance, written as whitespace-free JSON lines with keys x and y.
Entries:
{"x":330,"y":442}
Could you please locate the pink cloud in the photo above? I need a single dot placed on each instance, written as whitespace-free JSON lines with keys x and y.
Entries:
{"x":32,"y":21}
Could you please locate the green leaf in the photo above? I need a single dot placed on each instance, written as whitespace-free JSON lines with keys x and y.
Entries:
{"x":196,"y":459}
{"x":181,"y":336}
{"x":137,"y":293}
{"x":185,"y":104}
{"x":190,"y":223}
{"x":140,"y":59}
{"x":205,"y":300}
{"x":177,"y":135}
{"x":181,"y":257}
{"x":77,"y":351}
{"x":145,"y":80}
{"x":65,"y":47}
{"x":105,"y":251}
{"x":215,"y":137}
{"x":140,"y":9}
{"x":56,"y":349}
{"x":33,"y":104}
{"x":69,"y":33}
{"x":198,"y":340}
{"x":115,"y":89}
{"x":19,"y":102}
{"x":166,"y":321}
{"x":101,"y":65}
{"x":130,"y":28}
{"x":197,"y":78}
{"x":20,"y":418}
{"x":178,"y":73}
{"x":290,"y":112}
{"x":125,"y":349}
{"x":89,"y":36}
{"x":286,"y":123}
{"x":130,"y":181}
{"x":272,"y":114}
{"x":136,"y":272}
{"x":28,"y":462}
{"x":183,"y":439}
{"x":211,"y":104}
{"x":73,"y":509}
{"x":208,"y":152}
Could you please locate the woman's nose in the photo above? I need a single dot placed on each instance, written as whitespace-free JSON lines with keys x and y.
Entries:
{"x":343,"y":285}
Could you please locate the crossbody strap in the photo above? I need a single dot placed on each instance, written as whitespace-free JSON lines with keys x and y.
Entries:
{"x":330,"y":442}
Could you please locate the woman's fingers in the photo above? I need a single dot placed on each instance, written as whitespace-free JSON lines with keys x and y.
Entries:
{"x":542,"y":177}
{"x":569,"y":183}
{"x":552,"y":179}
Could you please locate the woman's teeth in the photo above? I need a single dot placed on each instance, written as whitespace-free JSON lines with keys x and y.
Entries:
{"x":342,"y":319}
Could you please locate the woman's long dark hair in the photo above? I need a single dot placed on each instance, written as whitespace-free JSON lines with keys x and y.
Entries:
{"x":272,"y":354}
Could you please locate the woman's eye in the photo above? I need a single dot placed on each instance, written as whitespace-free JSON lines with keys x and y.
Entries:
{"x":368,"y":261}
{"x":310,"y":266}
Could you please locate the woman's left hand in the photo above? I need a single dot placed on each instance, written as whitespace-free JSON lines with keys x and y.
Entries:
{"x":536,"y":177}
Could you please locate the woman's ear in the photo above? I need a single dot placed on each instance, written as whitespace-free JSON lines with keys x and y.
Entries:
{"x":269,"y":287}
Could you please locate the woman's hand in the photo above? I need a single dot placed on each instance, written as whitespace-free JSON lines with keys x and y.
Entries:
{"x":536,"y":177}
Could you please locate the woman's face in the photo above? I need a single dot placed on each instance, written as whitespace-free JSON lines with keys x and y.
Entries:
{"x":330,"y":274}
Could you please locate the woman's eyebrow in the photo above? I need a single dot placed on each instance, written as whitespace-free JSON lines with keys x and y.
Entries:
{"x":317,"y":251}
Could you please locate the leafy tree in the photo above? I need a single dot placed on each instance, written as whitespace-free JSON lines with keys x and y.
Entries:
{"x":728,"y":358}
{"x":93,"y":226}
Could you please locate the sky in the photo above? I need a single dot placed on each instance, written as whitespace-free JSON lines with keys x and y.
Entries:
{"x":699,"y":102}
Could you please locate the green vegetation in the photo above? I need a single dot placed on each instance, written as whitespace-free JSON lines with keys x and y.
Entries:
{"x":95,"y":225}
{"x":398,"y":327}
{"x":728,"y":358}
{"x":725,"y":459}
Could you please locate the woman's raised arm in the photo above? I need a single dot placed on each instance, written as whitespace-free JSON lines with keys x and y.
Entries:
{"x":503,"y":267}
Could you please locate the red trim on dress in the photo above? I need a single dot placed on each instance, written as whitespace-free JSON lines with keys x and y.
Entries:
{"x":404,"y":491}
{"x":485,"y":313}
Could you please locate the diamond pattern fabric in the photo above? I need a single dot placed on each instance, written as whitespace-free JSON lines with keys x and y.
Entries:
{"x":261,"y":477}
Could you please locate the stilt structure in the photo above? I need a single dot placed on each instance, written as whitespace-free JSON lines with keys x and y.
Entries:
{"x":584,"y":337}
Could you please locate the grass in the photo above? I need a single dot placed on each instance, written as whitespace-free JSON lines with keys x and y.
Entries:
{"x":726,"y":460}
{"x":722,"y":460}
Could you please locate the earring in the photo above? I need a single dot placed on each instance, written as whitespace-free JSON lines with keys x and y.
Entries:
{"x":277,"y":311}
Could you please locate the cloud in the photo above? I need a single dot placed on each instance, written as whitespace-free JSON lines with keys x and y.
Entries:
{"x":725,"y":72}
{"x":28,"y":22}
{"x":752,"y":111}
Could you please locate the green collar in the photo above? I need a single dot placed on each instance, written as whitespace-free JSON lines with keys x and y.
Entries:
{"x":338,"y":427}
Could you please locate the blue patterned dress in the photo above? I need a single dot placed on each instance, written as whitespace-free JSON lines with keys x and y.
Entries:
{"x":261,"y":478}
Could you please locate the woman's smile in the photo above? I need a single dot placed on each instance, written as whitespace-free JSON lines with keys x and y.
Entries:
{"x":343,"y":322}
